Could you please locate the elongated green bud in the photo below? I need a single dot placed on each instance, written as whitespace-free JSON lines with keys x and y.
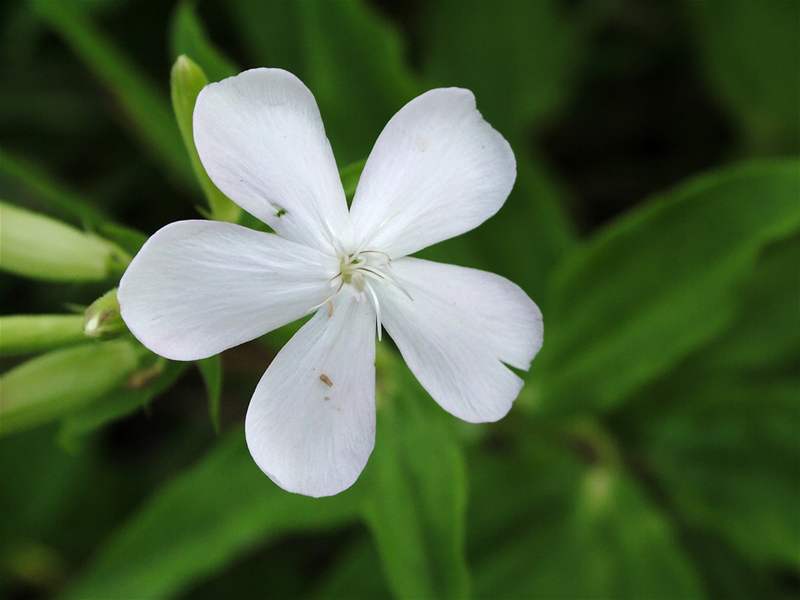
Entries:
{"x":37,"y":246}
{"x":102,"y":320}
{"x":186,"y":81}
{"x":21,"y":334}
{"x":52,"y":385}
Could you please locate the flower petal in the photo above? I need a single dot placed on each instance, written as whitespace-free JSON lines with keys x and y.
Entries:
{"x":437,"y":170}
{"x":261,"y":140}
{"x":311,"y":423}
{"x":199,"y":287}
{"x":457,"y":332}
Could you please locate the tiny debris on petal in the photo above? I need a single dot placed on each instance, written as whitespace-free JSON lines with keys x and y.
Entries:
{"x":330,"y":309}
{"x":326,"y":380}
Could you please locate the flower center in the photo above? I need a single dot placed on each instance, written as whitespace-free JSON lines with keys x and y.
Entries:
{"x":358,"y":268}
{"x":363,"y":270}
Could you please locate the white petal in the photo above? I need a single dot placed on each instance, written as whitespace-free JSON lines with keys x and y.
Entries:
{"x":457,"y":332}
{"x":199,"y":287}
{"x":261,"y":140}
{"x":311,"y":423}
{"x":437,"y":170}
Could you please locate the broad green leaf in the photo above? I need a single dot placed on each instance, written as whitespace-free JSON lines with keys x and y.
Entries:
{"x":36,"y":246}
{"x":750,"y":51}
{"x":160,"y":377}
{"x":726,"y":451}
{"x":659,"y":283}
{"x":566,"y":521}
{"x":186,"y":80}
{"x":519,"y":58}
{"x":65,"y":203}
{"x":211,"y":371}
{"x":22,"y":334}
{"x":416,"y":499}
{"x":146,"y":110}
{"x":766,"y":332}
{"x":188,"y":37}
{"x":51,"y":386}
{"x":200,"y":522}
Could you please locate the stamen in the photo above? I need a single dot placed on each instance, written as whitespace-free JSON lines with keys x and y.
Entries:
{"x":377,"y":306}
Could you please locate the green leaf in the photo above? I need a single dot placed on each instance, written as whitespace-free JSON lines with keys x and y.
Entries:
{"x":200,"y":522}
{"x":659,"y":283}
{"x":120,"y":402}
{"x":186,"y":80}
{"x":726,"y":450}
{"x":59,"y":382}
{"x":211,"y":370}
{"x":416,"y":503}
{"x":36,"y":246}
{"x":750,"y":51}
{"x":127,"y":238}
{"x":145,"y":109}
{"x":23,"y":334}
{"x":760,"y":339}
{"x":188,"y":37}
{"x":65,"y":203}
{"x":550,"y":509}
{"x":519,"y":58}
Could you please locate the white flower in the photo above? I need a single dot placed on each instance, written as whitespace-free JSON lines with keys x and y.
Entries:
{"x":198,"y":287}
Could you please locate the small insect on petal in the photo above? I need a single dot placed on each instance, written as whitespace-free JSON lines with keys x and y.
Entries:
{"x":326,"y":380}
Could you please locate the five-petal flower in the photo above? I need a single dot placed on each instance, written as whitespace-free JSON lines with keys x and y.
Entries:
{"x":198,"y":287}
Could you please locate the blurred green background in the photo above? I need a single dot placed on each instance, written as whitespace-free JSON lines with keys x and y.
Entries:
{"x":655,"y":450}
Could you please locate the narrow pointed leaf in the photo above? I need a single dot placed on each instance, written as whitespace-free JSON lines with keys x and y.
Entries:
{"x":146,"y":110}
{"x":201,"y":521}
{"x":660,"y":282}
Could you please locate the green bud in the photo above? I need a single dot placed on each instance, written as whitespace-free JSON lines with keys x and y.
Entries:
{"x":37,"y":246}
{"x":50,"y":386}
{"x":102,"y":319}
{"x":186,"y":81}
{"x":22,"y":334}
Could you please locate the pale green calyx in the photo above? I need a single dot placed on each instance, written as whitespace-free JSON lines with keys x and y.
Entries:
{"x":102,"y":319}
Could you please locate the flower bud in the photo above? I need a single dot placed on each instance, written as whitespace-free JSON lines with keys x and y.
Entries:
{"x":37,"y":246}
{"x":186,"y":81}
{"x":102,"y":319}
{"x":21,"y":334}
{"x":52,"y":385}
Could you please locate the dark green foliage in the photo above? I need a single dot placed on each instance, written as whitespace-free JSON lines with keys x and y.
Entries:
{"x":655,"y":449}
